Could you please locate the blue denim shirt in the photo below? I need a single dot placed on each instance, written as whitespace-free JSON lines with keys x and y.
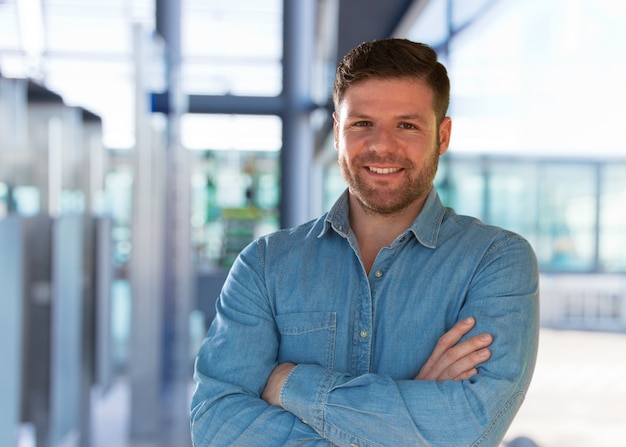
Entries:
{"x":302,"y":295}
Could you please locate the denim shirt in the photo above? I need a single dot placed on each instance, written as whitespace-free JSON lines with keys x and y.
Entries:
{"x":303,"y":296}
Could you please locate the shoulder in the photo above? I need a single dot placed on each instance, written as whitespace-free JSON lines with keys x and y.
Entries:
{"x":498,"y":259}
{"x":286,"y":240}
{"x":471,"y":231}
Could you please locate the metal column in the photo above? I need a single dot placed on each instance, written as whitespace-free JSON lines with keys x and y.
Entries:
{"x":177,"y":268}
{"x":162,"y":269}
{"x":298,"y":137}
{"x":145,"y":264}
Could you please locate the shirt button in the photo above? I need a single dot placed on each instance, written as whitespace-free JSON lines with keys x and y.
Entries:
{"x":378,"y":273}
{"x":364,"y":333}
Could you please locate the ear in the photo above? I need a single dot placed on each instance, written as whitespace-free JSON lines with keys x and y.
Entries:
{"x":445,"y":130}
{"x":335,"y":130}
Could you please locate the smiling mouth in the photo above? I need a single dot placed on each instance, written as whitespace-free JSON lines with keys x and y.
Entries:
{"x":383,"y":170}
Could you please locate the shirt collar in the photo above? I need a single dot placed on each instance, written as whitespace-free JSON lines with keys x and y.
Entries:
{"x":337,"y":218}
{"x":425,"y":227}
{"x":427,"y":224}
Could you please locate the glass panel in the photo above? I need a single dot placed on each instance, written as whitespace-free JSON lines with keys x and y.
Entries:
{"x":461,"y":183}
{"x":567,"y":217}
{"x":552,"y":205}
{"x":613,"y":219}
{"x":513,"y":196}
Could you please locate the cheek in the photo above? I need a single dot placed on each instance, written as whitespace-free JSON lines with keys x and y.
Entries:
{"x":342,"y":145}
{"x":348,"y":156}
{"x":345,"y":160}
{"x":350,"y":142}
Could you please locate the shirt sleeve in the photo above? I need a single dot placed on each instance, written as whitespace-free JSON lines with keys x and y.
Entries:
{"x":232,"y":368}
{"x":373,"y":410}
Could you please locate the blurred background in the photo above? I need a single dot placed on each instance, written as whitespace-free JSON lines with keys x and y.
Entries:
{"x":144,"y":143}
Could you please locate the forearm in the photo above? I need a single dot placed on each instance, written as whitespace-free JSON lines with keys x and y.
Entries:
{"x":367,"y":415}
{"x":224,"y":416}
{"x":373,"y":410}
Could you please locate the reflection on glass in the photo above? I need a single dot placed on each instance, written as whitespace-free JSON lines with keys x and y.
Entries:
{"x":567,"y":217}
{"x":513,"y":196}
{"x":612,"y":237}
{"x":570,"y":211}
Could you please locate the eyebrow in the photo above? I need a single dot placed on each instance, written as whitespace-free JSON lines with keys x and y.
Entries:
{"x":409,"y":117}
{"x":419,"y":118}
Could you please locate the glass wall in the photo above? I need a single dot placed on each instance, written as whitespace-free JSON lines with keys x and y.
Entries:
{"x":570,"y":211}
{"x":612,"y":234}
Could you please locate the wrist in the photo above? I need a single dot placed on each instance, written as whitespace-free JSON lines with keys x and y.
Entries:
{"x":275,"y":382}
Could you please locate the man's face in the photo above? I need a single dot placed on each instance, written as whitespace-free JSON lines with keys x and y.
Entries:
{"x":388,"y":142}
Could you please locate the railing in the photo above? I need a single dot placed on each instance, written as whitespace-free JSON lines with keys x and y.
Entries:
{"x":583,"y":302}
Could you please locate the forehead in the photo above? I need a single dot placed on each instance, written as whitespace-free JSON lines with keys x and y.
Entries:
{"x":404,"y":95}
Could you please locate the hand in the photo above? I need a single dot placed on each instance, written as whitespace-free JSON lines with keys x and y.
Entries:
{"x":452,"y":361}
{"x":271,"y":392}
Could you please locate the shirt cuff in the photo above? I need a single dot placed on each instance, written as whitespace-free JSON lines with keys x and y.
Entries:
{"x":305,"y":392}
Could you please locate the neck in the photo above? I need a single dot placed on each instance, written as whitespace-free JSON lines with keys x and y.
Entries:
{"x":374,"y":230}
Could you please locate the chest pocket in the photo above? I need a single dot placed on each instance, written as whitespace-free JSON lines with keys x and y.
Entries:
{"x":307,"y":338}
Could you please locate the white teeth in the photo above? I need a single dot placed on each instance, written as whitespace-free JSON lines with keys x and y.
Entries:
{"x":383,"y":170}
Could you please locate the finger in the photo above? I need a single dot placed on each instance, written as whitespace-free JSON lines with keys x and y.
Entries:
{"x":463,"y":357}
{"x":465,"y":367}
{"x":466,"y":375}
{"x":444,"y":344}
{"x":452,"y":337}
{"x":471,"y":345}
{"x":457,"y":359}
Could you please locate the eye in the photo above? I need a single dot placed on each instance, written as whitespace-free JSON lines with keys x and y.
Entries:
{"x":407,"y":126}
{"x":362,"y":124}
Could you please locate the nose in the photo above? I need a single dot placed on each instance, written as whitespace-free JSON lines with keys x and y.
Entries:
{"x":382,"y":139}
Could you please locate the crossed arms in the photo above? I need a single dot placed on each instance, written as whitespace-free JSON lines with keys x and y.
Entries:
{"x":466,"y":393}
{"x":450,"y":360}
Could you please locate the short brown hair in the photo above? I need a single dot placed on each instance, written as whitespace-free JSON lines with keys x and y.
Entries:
{"x":394,"y":58}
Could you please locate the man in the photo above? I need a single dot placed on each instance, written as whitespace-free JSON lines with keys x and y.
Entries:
{"x":389,"y":321}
